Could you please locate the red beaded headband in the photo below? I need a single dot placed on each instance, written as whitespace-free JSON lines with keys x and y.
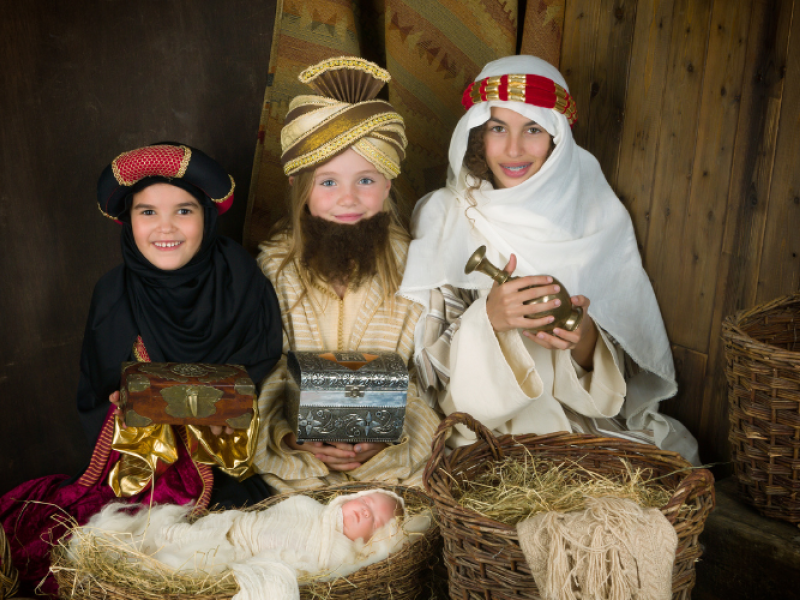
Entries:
{"x":531,"y":89}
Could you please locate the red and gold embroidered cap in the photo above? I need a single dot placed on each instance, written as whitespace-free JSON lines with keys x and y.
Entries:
{"x":531,"y":89}
{"x":165,"y":161}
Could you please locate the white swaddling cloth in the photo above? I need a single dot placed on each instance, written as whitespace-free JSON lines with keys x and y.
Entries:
{"x":266,"y":550}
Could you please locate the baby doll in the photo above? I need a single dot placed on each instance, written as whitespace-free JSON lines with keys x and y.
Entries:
{"x":266,"y":549}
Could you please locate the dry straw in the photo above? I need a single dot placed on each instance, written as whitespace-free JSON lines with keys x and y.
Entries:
{"x":513,"y":490}
{"x":108,"y":568}
{"x":9,"y":578}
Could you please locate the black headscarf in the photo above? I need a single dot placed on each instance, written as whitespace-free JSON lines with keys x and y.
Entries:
{"x":218,"y":308}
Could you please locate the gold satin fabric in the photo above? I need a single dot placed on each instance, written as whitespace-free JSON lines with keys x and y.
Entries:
{"x":148,"y":451}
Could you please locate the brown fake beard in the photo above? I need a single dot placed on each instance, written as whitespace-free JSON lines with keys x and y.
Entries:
{"x":344,"y":254}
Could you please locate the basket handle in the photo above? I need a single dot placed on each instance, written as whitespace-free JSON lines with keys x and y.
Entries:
{"x":439,"y":438}
{"x":698,"y":479}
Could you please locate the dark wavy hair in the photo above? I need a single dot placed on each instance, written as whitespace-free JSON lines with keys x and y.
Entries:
{"x":475,"y":156}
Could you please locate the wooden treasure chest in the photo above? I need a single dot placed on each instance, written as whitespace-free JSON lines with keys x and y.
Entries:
{"x":186,"y":394}
{"x":346,"y":396}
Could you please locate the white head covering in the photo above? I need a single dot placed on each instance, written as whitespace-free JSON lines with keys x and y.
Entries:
{"x":564,"y":221}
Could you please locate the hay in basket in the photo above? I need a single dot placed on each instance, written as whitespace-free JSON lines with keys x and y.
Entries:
{"x":483,"y":556}
{"x":9,"y":577}
{"x":404,"y":575}
{"x":514,"y":490}
{"x":762,"y":366}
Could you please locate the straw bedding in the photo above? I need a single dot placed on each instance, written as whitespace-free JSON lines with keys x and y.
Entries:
{"x":9,"y":577}
{"x":514,"y":490}
{"x":115,"y":571}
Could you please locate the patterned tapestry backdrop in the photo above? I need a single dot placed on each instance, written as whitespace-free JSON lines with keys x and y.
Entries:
{"x":432,"y":50}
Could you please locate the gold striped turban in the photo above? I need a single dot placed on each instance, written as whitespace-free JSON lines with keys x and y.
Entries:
{"x":345,"y":115}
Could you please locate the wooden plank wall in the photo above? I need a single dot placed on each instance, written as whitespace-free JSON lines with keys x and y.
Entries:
{"x":83,"y":81}
{"x":692,"y":108}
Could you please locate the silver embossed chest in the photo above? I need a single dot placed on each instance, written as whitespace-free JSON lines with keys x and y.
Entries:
{"x":346,"y":396}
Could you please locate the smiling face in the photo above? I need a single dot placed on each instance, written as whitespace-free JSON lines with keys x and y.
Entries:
{"x":167,"y":224}
{"x":363,"y":516}
{"x":515,"y":147}
{"x":347,"y":189}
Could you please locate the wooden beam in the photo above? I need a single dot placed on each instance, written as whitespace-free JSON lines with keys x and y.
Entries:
{"x":687,"y":406}
{"x":690,"y":309}
{"x":609,"y":81}
{"x":644,"y":102}
{"x":779,"y":272}
{"x":675,"y":158}
{"x":748,"y":200}
{"x":578,"y":50}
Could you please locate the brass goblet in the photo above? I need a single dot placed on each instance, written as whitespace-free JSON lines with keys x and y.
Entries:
{"x":566,"y":316}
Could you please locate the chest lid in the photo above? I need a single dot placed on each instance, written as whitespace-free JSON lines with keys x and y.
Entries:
{"x":376,"y":371}
{"x":186,"y":394}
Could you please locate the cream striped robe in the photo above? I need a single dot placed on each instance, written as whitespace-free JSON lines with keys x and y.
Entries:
{"x":376,"y":324}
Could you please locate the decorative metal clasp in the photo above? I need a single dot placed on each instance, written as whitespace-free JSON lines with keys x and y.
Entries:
{"x":191,"y":401}
{"x":354,"y":391}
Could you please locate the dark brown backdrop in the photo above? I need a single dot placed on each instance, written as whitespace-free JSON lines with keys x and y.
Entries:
{"x":81,"y":82}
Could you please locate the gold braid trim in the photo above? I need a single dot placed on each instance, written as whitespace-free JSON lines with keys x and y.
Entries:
{"x":344,"y":62}
{"x":104,"y":213}
{"x":376,"y":157}
{"x":348,"y":138}
{"x":187,"y":156}
{"x":228,"y":195}
{"x":400,"y":131}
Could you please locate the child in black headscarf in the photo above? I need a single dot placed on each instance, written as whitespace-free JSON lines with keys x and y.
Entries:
{"x":182,"y":294}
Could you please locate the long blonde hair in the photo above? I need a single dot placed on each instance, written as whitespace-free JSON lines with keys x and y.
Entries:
{"x":389,"y":266}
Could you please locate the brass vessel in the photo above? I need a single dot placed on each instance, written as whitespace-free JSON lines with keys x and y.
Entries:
{"x":566,"y":316}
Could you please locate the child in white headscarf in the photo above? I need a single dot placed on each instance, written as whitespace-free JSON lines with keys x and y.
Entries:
{"x":266,"y":549}
{"x":519,"y":184}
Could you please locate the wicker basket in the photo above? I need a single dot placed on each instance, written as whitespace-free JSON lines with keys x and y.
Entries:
{"x":9,"y":578}
{"x":762,"y":356}
{"x":405,"y":575}
{"x":483,"y":557}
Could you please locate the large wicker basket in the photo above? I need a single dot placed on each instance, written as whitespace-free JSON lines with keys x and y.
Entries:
{"x":483,"y":557}
{"x":9,"y":578}
{"x":405,"y":575}
{"x":762,"y":356}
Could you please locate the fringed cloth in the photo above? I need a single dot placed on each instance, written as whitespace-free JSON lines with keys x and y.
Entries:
{"x":612,"y":550}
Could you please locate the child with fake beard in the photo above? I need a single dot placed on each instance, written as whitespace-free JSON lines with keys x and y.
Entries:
{"x":336,"y":263}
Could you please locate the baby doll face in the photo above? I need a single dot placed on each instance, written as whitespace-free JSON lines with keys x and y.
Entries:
{"x":364,"y":515}
{"x":167,"y":224}
{"x":347,"y":188}
{"x":515,"y":147}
